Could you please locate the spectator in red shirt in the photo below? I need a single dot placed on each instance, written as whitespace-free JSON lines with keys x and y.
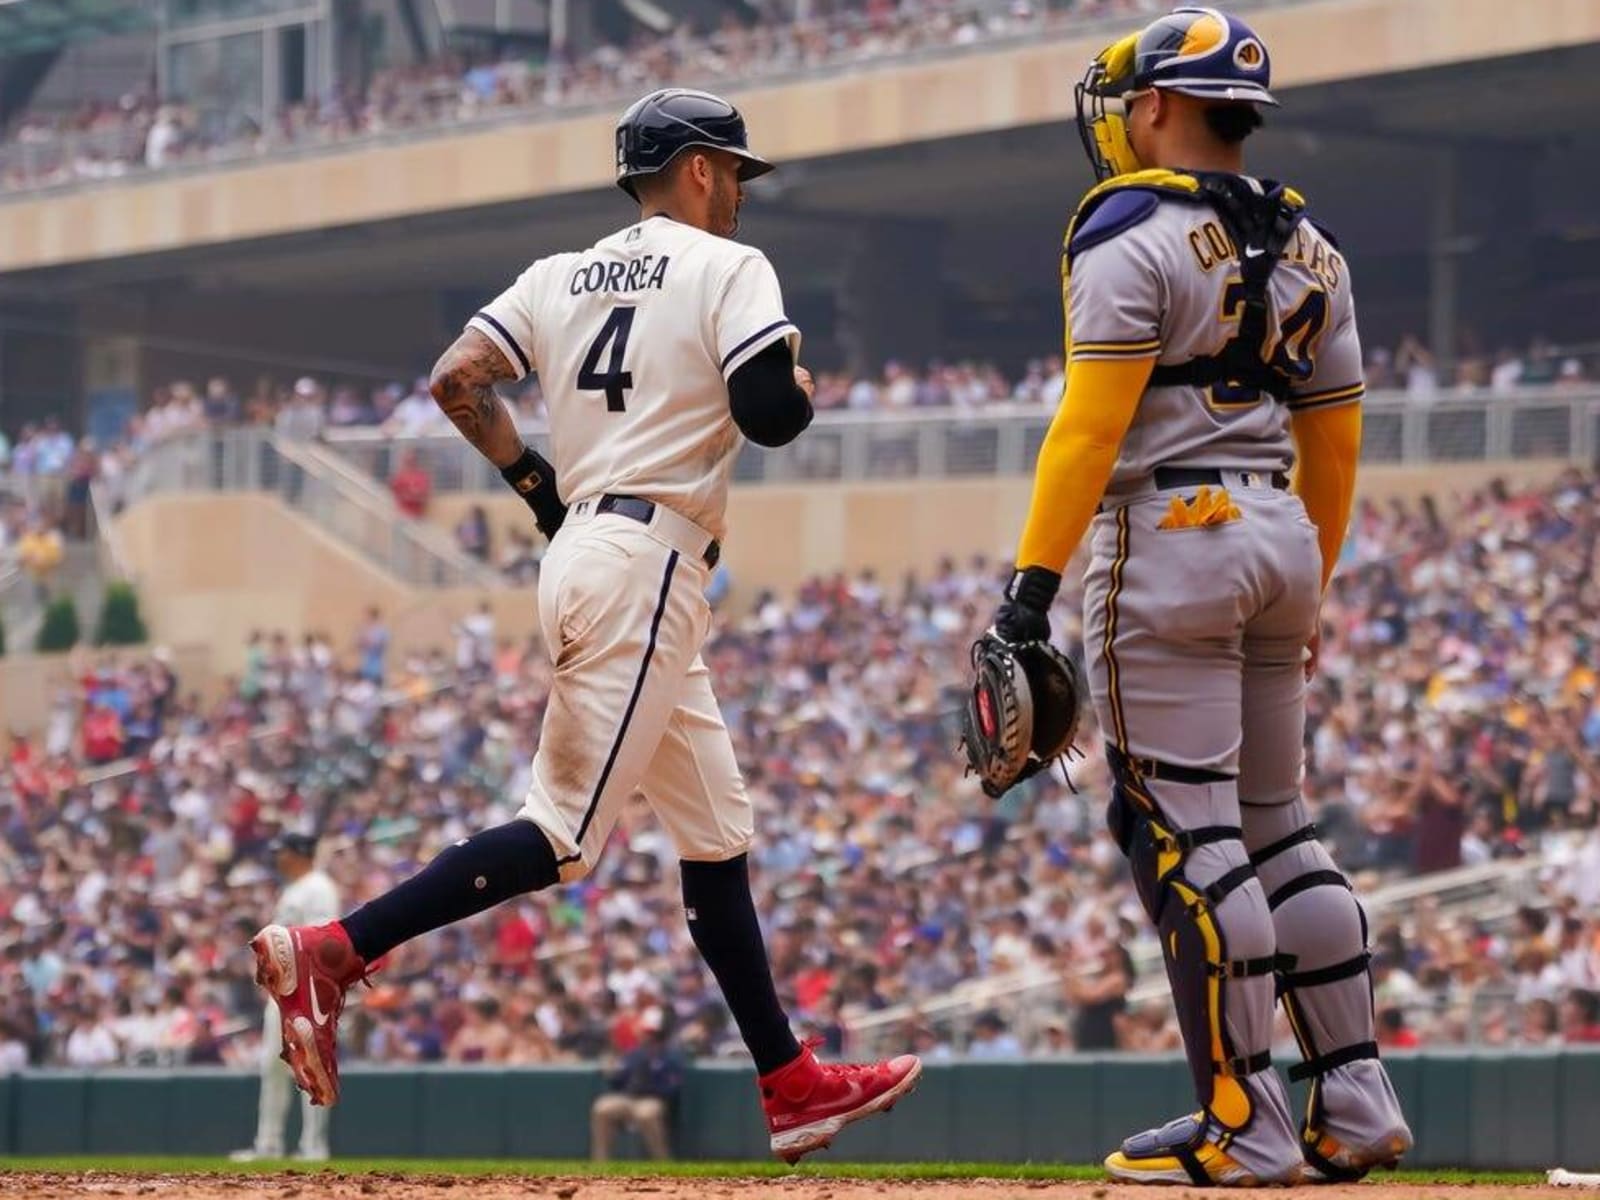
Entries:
{"x":811,"y":987}
{"x":102,"y":735}
{"x":412,"y":486}
{"x":514,"y":940}
{"x":244,"y":821}
{"x":27,"y":772}
{"x":1394,"y":1033}
{"x":1580,"y":1017}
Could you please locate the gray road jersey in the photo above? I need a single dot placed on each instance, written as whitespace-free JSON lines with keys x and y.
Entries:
{"x":1171,"y":283}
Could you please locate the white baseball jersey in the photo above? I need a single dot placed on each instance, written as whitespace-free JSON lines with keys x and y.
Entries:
{"x":309,"y":900}
{"x":634,"y":340}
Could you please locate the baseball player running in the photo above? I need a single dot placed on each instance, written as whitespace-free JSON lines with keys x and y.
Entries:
{"x":1212,"y":347}
{"x":309,"y":896}
{"x":659,"y":349}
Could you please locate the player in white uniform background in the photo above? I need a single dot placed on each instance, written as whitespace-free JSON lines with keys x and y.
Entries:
{"x":660,"y":349}
{"x":309,"y":897}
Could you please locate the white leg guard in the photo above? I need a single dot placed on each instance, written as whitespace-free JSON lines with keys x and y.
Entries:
{"x":1326,"y":987}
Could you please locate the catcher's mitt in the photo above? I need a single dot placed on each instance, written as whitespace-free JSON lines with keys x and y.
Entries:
{"x":1022,"y":712}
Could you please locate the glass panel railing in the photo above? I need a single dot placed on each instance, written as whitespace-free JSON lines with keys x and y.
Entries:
{"x":333,"y":494}
{"x":342,"y":484}
{"x":1005,"y":441}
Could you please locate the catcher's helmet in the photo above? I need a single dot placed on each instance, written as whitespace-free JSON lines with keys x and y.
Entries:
{"x":654,"y":129}
{"x":1196,"y":51}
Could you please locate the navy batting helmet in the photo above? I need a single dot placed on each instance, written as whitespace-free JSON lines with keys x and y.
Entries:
{"x":654,"y":129}
{"x":303,"y":844}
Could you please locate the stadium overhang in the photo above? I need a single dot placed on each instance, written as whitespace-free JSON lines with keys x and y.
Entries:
{"x":1315,"y":42}
{"x":1454,"y":172}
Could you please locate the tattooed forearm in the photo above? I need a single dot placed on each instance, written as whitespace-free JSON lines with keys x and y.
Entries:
{"x":463,"y":387}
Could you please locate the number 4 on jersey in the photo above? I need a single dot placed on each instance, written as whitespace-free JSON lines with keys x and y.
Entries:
{"x":615,"y":381}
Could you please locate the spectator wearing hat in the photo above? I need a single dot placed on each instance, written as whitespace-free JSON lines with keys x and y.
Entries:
{"x":302,"y":419}
{"x":1395,"y":1032}
{"x":309,"y":896}
{"x":639,"y":1094}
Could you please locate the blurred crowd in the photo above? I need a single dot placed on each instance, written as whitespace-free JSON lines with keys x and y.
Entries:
{"x":1411,"y":368}
{"x":46,"y":472}
{"x":1455,"y":722}
{"x":146,"y":132}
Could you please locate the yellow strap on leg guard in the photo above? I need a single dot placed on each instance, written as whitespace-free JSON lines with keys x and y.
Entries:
{"x":1227,"y":1099}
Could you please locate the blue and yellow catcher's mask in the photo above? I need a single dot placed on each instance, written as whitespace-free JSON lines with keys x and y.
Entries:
{"x":1199,"y":52}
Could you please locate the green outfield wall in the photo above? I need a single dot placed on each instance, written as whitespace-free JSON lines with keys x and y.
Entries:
{"x":1503,"y":1110}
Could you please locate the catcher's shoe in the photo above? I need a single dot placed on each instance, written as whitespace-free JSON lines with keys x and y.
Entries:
{"x":807,"y":1103}
{"x":306,"y":970}
{"x":1330,"y":1161}
{"x":1190,"y":1150}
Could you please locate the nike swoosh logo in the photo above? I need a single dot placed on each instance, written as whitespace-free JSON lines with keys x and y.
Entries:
{"x":1253,"y":252}
{"x":857,"y":1091}
{"x":317,"y":1015}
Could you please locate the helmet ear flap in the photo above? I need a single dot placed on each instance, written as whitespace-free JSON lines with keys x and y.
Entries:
{"x":1105,"y":132}
{"x":1111,"y":135}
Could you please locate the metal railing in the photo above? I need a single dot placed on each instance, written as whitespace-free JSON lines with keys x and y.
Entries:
{"x":46,"y":159}
{"x":313,"y":482}
{"x":366,"y":518}
{"x":1004,"y":440}
{"x":1028,"y":1001}
{"x":20,"y":610}
{"x":340,"y":484}
{"x":113,"y":558}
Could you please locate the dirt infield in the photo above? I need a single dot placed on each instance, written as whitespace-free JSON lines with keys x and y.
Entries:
{"x":394,"y":1186}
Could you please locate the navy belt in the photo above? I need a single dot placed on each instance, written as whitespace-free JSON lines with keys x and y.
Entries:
{"x":635,"y":508}
{"x":1168,"y":479}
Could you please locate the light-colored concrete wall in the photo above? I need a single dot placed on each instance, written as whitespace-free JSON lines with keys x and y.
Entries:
{"x":215,"y":568}
{"x":780,"y":536}
{"x":884,"y":106}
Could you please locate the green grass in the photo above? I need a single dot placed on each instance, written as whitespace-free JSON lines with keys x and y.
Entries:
{"x":714,"y":1170}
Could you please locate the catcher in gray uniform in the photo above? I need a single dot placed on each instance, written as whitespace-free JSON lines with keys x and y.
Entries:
{"x":1212,"y":349}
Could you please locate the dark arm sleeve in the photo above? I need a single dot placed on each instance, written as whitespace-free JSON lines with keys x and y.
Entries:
{"x":768,"y":406}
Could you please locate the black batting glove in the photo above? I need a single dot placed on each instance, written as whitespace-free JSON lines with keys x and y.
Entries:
{"x":1025,"y":614}
{"x":535,"y":481}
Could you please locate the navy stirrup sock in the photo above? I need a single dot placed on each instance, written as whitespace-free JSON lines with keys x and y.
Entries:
{"x":465,"y":879}
{"x":722,"y":922}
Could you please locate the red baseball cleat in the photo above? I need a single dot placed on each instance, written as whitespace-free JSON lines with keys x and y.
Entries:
{"x":807,"y":1103}
{"x":306,"y":970}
